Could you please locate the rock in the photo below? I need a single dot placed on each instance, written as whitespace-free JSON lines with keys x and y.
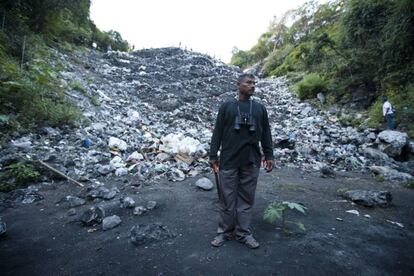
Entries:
{"x":71,"y":212}
{"x":369,"y":198}
{"x":145,"y":234}
{"x":169,"y":104}
{"x":134,"y":89}
{"x":162,"y":157}
{"x":74,"y":201}
{"x":321,"y":97}
{"x":204,"y":184}
{"x":117,"y":143}
{"x":139,"y":210}
{"x":326,"y":171}
{"x":23,"y":143}
{"x":151,"y":205}
{"x":284,"y":143}
{"x":3,"y":227}
{"x":104,"y":170}
{"x":371,"y":136}
{"x":111,"y":222}
{"x":27,"y":195}
{"x":102,"y":192}
{"x":176,"y":175}
{"x":305,"y":112}
{"x":117,"y":162}
{"x":92,"y":215}
{"x":390,"y":174}
{"x":135,"y":156}
{"x":121,"y":171}
{"x":392,"y":142}
{"x":127,"y":202}
{"x":374,"y":154}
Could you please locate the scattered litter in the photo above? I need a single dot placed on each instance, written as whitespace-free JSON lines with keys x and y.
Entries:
{"x":355,"y":212}
{"x":367,"y":216}
{"x":339,"y":219}
{"x":396,"y":223}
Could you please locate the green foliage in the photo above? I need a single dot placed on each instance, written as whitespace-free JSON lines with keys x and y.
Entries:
{"x":31,"y":93}
{"x":241,"y":58}
{"x":364,"y":48}
{"x":274,"y":211}
{"x":276,"y":58}
{"x":277,"y":211}
{"x":310,"y":86}
{"x":78,"y":87}
{"x":95,"y":100}
{"x":410,"y":184}
{"x":403,"y":101}
{"x":113,"y":38}
{"x":17,"y":175}
{"x":341,"y":191}
{"x":33,"y":97}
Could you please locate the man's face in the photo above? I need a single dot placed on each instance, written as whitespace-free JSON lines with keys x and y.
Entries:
{"x":246,"y":86}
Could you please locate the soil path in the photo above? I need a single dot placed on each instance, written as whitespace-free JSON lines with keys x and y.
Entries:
{"x":42,"y":239}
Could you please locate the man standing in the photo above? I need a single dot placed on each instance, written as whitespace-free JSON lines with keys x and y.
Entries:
{"x":240,"y":126}
{"x":388,"y":111}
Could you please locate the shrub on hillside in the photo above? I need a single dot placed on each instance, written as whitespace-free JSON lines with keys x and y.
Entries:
{"x":310,"y":86}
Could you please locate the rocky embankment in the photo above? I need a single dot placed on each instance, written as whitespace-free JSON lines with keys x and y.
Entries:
{"x":150,"y":113}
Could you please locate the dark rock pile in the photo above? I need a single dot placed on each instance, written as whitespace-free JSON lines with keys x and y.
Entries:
{"x":151,"y":115}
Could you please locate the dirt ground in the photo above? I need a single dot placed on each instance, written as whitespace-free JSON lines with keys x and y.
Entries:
{"x":42,"y":239}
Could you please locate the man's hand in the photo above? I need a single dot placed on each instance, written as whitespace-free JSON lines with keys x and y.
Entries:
{"x":268,"y":165}
{"x":215,"y":164}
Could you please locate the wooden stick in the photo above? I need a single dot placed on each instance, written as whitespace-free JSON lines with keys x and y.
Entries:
{"x":60,"y":173}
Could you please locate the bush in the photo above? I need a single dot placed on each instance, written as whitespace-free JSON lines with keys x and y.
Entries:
{"x":33,"y":97}
{"x":17,"y":175}
{"x":310,"y":86}
{"x":276,"y":59}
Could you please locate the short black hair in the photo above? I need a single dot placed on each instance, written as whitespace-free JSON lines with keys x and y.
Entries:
{"x":244,"y":76}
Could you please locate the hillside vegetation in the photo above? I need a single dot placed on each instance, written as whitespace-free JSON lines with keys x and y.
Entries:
{"x":31,"y":94}
{"x":353,"y":51}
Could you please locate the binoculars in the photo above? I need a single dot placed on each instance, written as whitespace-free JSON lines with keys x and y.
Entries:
{"x":245,"y":119}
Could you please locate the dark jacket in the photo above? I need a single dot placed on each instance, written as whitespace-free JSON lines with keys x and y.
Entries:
{"x":241,"y":147}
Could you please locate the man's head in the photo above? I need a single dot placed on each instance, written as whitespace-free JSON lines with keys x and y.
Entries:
{"x":246,"y":84}
{"x":384,"y":99}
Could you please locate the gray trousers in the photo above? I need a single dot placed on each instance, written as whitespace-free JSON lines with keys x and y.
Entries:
{"x":237,"y":190}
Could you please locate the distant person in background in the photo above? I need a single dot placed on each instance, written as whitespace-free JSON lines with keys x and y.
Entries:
{"x":109,"y":49}
{"x":388,"y":111}
{"x":242,"y":125}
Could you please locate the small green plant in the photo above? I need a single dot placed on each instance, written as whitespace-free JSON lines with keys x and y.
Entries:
{"x":341,"y":191}
{"x":78,"y":87}
{"x":379,"y":178}
{"x":410,"y":184}
{"x":95,"y":100}
{"x":17,"y":175}
{"x":277,"y":211}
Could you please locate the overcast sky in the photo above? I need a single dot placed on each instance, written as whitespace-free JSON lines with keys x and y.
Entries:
{"x":212,"y":27}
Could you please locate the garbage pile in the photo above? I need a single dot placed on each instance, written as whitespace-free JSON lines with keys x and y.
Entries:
{"x":151,"y":114}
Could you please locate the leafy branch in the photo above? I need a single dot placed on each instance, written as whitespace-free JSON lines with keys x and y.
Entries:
{"x":277,"y":211}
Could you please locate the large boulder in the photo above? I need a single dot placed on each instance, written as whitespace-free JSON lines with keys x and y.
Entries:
{"x":393,"y":143}
{"x":390,"y":174}
{"x":111,"y":222}
{"x":374,"y":154}
{"x":369,"y":198}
